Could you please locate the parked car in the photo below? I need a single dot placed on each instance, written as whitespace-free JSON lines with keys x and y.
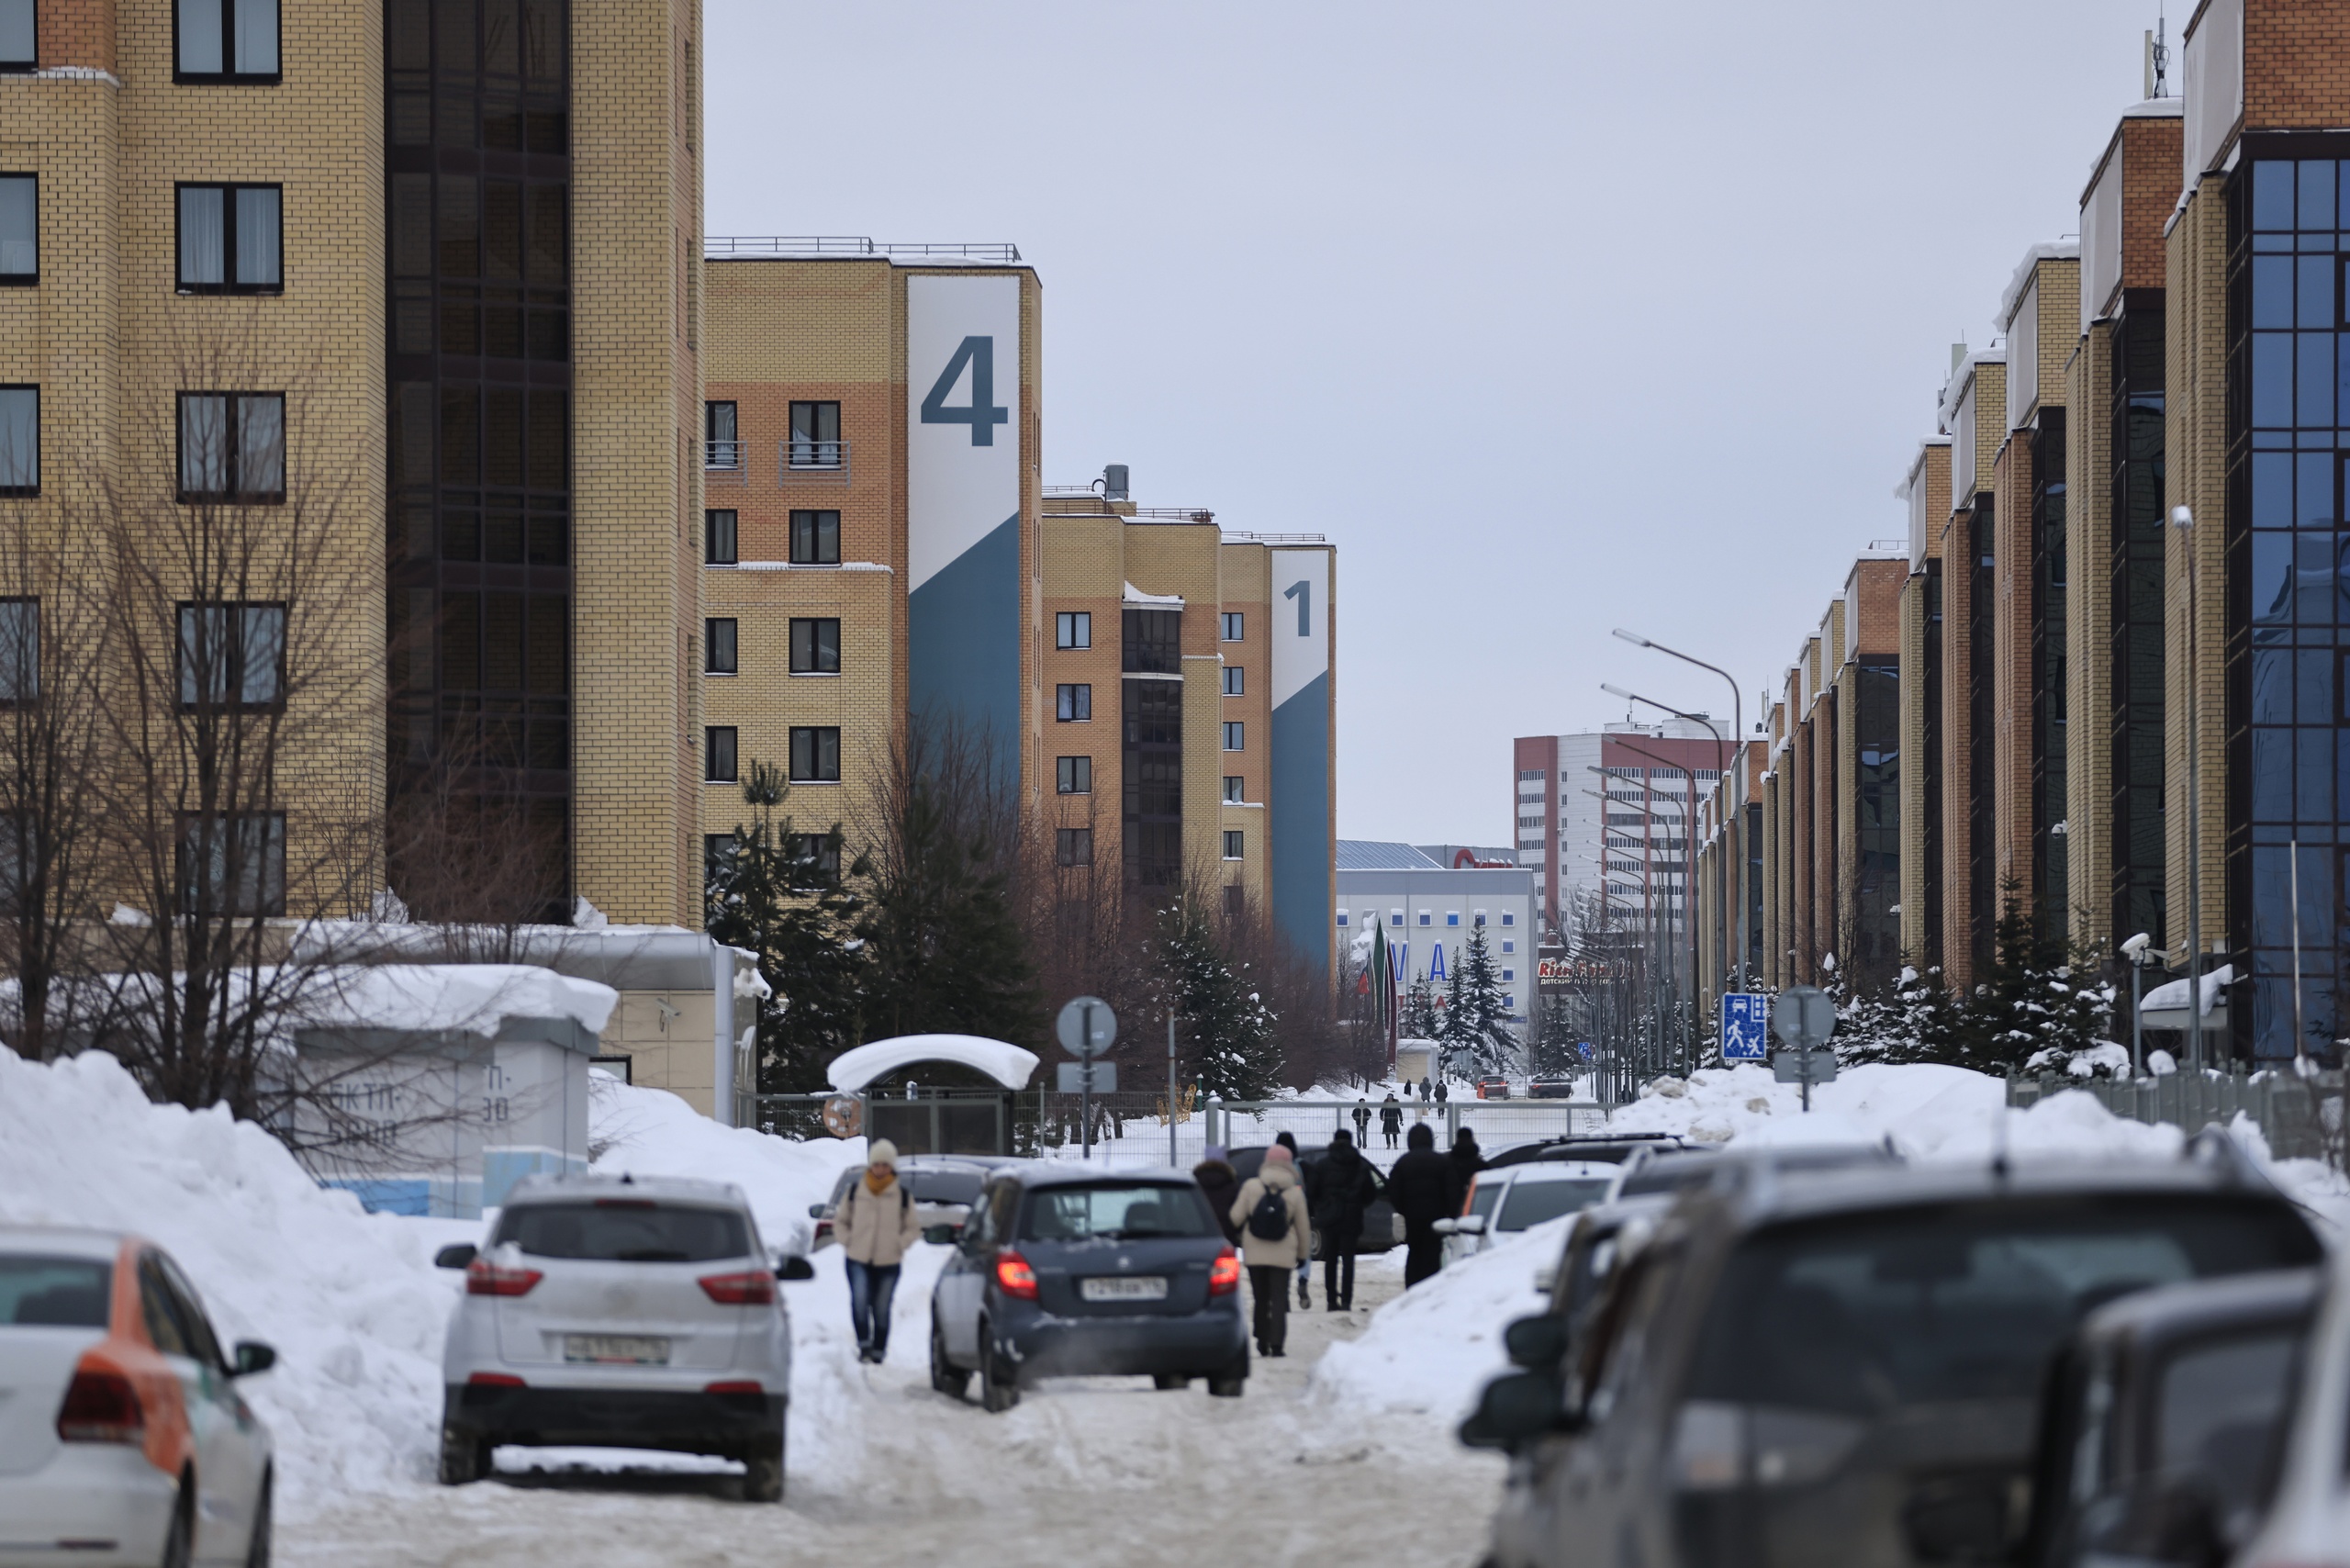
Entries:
{"x":2308,"y":1522}
{"x":1550,"y":1089}
{"x":1519,"y":1197}
{"x":1613,"y":1147}
{"x":124,"y":1438}
{"x":942,"y":1186}
{"x":1382,"y":1229}
{"x":1065,"y":1271}
{"x":1492,"y":1086}
{"x":1845,"y":1365}
{"x":622,"y":1312}
{"x":2163,"y":1417}
{"x":1656,"y":1170}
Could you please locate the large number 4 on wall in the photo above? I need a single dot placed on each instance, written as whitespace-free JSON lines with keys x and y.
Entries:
{"x":982,"y":413}
{"x":1302,"y":591}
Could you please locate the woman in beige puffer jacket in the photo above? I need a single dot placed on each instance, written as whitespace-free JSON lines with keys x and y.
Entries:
{"x":877,"y":1225}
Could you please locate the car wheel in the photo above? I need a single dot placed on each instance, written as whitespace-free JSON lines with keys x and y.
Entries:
{"x":944,"y":1375}
{"x":763,"y":1473}
{"x":1169,"y":1381}
{"x":257,"y":1540}
{"x":179,"y":1541}
{"x":464,"y":1454}
{"x":998,"y":1390}
{"x":1231,"y":1386}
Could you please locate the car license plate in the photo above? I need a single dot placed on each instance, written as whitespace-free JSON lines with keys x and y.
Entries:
{"x":616,"y":1349}
{"x":1113,"y":1287}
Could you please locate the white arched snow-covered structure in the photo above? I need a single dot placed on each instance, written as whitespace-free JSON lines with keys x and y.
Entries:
{"x":1006,"y":1063}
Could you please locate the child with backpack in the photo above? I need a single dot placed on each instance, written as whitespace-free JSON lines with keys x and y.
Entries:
{"x":1276,"y":1235}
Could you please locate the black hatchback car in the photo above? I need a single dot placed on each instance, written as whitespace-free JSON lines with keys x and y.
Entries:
{"x":1380,"y":1231}
{"x":1084,"y":1271}
{"x":1844,"y":1366}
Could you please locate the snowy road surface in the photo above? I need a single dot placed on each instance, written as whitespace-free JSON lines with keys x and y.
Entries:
{"x":1091,"y":1470}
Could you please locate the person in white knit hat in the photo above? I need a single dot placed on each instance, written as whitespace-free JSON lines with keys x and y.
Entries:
{"x":876,"y":1225}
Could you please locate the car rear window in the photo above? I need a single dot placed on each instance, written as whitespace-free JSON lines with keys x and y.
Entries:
{"x":1531,"y":1203}
{"x":943,"y":1186}
{"x":1675,"y":1176}
{"x":1860,"y":1314}
{"x":2222,"y":1405}
{"x":54,"y":1293}
{"x":625,"y":1231}
{"x":1115,"y":1211}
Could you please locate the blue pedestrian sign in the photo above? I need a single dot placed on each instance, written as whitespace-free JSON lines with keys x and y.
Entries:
{"x":1746,"y":1028}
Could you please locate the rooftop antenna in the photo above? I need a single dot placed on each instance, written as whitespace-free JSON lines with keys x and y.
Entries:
{"x":2158,"y":58}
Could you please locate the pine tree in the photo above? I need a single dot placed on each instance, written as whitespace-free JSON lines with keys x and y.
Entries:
{"x":1233,"y":1052}
{"x":778,"y":893}
{"x":1421,"y":1020}
{"x":1483,"y":1027}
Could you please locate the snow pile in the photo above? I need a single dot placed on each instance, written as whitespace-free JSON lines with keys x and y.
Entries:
{"x":453,"y":996}
{"x":350,"y":1300}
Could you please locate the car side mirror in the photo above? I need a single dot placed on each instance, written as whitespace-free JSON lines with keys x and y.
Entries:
{"x":1444,"y":1226}
{"x":1470,"y":1225}
{"x":252,"y":1357}
{"x":458,"y":1255}
{"x":1515,"y":1409}
{"x":941,"y":1235}
{"x":1540,"y":1341}
{"x":816,"y":1211}
{"x":794,"y":1270}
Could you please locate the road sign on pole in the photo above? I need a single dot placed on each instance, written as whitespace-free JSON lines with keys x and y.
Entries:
{"x":1802,"y":1018}
{"x":1086,"y":1026}
{"x":1087,"y":1078}
{"x":1746,"y":1028}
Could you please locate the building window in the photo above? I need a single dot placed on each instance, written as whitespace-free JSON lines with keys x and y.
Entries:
{"x":1073,"y":629}
{"x":1508,"y":918}
{"x":232,"y":656}
{"x":19,"y":651}
{"x":1508,"y":975}
{"x":1342,"y":918}
{"x":1073,"y":775}
{"x":231,"y":238}
{"x":718,"y":753}
{"x":1234,"y":621}
{"x":1508,"y":944}
{"x":1479,"y":918}
{"x":1235,"y":681}
{"x":1424,"y":917}
{"x":19,"y":229}
{"x":1452,"y":917}
{"x":721,"y":446}
{"x":815,"y":539}
{"x":1509,"y":1002}
{"x":820,"y":852}
{"x":718,"y":539}
{"x":232,"y":446}
{"x":816,"y":647}
{"x":1236,"y":901}
{"x":1236,"y":736}
{"x":1073,"y":704}
{"x":1073,"y":845}
{"x":1394,"y":917}
{"x":232,"y":864}
{"x":17,"y":52}
{"x":718,"y":646}
{"x":815,"y":755}
{"x":1233,"y":840}
{"x":815,"y":435}
{"x":19,"y":441}
{"x":224,"y":41}
{"x":1236,"y":789}
{"x":717,"y":853}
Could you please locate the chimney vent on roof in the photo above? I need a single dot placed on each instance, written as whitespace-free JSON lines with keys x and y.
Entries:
{"x":1113,"y":482}
{"x":1957,"y":356}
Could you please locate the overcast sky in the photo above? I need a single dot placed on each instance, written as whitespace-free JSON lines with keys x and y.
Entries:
{"x":1553,"y":317}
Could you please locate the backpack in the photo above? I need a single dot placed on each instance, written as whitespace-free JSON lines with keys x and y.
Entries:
{"x":1269,"y":1221}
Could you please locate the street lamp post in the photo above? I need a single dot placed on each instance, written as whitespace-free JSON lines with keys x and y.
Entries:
{"x":2183,"y":518}
{"x":1738,"y":725}
{"x":1722,"y":768}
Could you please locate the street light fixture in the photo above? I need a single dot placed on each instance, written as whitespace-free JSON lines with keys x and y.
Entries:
{"x":1737,"y":726}
{"x":2183,"y":518}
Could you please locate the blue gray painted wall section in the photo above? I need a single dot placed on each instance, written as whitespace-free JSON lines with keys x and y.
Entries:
{"x":1301,"y":871}
{"x":963,"y":639}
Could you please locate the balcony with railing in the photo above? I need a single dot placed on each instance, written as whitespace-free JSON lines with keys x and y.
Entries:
{"x":728,"y":247}
{"x":803,"y":460}
{"x":725,"y":462}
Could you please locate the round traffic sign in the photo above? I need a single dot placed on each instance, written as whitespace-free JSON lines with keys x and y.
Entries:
{"x":1086,"y":1026}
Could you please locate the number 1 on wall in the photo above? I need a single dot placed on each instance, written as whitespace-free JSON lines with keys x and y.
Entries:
{"x":1303,"y":591}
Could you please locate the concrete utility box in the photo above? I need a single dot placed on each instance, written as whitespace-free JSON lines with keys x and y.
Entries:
{"x":431,"y":1090}
{"x":1415,"y":1060}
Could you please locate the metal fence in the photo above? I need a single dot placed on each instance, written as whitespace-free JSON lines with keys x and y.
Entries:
{"x":2301,"y":1119}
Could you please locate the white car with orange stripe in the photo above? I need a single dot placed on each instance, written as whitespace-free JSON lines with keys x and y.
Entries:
{"x":123,"y":1439}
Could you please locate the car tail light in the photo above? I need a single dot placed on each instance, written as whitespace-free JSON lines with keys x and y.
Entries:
{"x":753,"y":1287}
{"x":101,"y":1408}
{"x":1717,"y":1447}
{"x":1224,"y":1274}
{"x":496,"y":1380}
{"x":1013,"y":1276}
{"x":485,"y":1278}
{"x":738,"y":1386}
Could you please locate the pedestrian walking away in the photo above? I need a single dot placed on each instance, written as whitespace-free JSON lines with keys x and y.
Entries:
{"x":1466,"y":1159}
{"x":1346,"y":1184}
{"x":1424,"y":1090}
{"x":1420,"y":1186}
{"x":1391,"y":1118}
{"x":1440,"y":1095}
{"x":1362,"y":1121}
{"x":1276,"y":1235}
{"x":1222,"y":1184}
{"x":877,"y":1225}
{"x":1288,"y":1140}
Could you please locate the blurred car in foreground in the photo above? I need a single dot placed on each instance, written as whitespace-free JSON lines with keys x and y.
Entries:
{"x":123,"y":1438}
{"x":625,"y":1313}
{"x":1062,"y":1272}
{"x":942,"y":1186}
{"x":1519,"y":1197}
{"x":2307,"y":1524}
{"x":1845,"y":1365}
{"x":2164,"y":1419}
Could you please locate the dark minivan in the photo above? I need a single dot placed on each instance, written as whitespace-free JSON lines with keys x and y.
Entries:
{"x":1844,"y":1366}
{"x":1081,"y":1270}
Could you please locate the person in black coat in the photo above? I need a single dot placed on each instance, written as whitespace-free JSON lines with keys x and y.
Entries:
{"x":1288,"y":1140}
{"x":1420,"y":1186}
{"x":1221,"y":1183}
{"x":1467,"y":1160}
{"x":1344,"y":1185}
{"x":1391,"y":1118}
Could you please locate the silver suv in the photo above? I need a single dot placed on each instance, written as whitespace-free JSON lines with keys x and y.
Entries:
{"x":623,"y":1312}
